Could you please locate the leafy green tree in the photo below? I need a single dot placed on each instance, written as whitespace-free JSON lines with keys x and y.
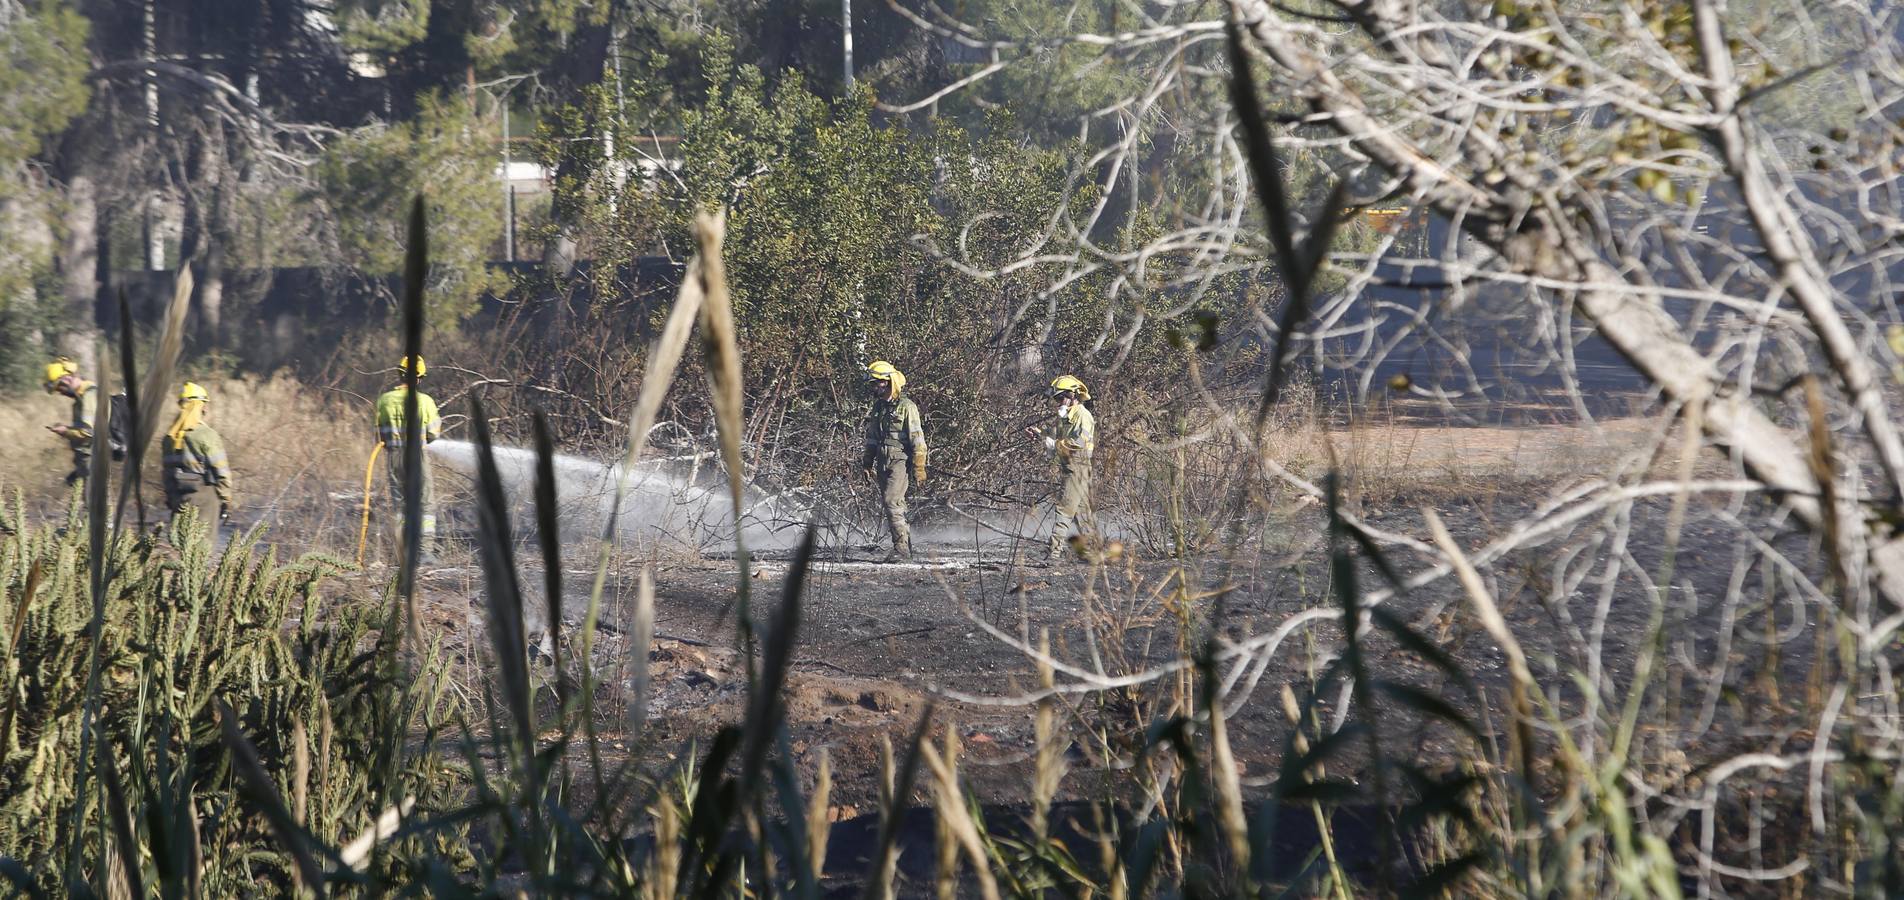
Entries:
{"x":42,"y":88}
{"x":839,"y":229}
{"x":382,"y":27}
{"x":370,"y":174}
{"x":42,"y":76}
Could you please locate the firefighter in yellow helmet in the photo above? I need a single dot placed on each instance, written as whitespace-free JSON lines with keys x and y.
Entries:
{"x":194,"y":459}
{"x":390,"y":433}
{"x":1073,"y":440}
{"x":62,"y":377}
{"x":895,"y":447}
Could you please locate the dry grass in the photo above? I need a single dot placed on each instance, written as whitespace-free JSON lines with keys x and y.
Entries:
{"x":298,"y":454}
{"x":1169,"y":472}
{"x":37,"y":460}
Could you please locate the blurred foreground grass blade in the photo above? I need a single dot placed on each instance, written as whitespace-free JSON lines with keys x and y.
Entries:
{"x":186,"y":866}
{"x":502,"y":591}
{"x":1438,"y":796}
{"x":547,"y":521}
{"x":722,"y":347}
{"x":165,"y":360}
{"x":953,"y":812}
{"x":1301,"y":762}
{"x":765,"y":704}
{"x":1261,"y":152}
{"x":1421,"y":646}
{"x":1522,"y":688}
{"x":1298,"y":264}
{"x":715,"y":808}
{"x":1140,"y":859}
{"x":123,"y":839}
{"x":129,"y":482}
{"x":1375,"y":555}
{"x":96,"y":561}
{"x":1428,"y":704}
{"x":892,"y":813}
{"x":416,"y":266}
{"x":97,"y":478}
{"x":18,"y":622}
{"x":1349,"y":596}
{"x":258,"y":783}
{"x":22,"y":880}
{"x":1223,"y":768}
{"x":794,"y":824}
{"x":765,"y":720}
{"x":817,"y":819}
{"x":1441,"y":879}
{"x":664,"y":357}
{"x":643,"y":638}
{"x":1297,"y":765}
{"x":1301,"y":283}
{"x":357,"y":852}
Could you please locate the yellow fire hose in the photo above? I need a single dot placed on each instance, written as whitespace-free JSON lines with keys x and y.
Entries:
{"x":363,"y":531}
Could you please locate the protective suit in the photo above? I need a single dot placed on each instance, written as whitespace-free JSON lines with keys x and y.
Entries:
{"x":1073,"y":441}
{"x":62,"y":377}
{"x":390,"y":424}
{"x":194,"y":459}
{"x":895,"y":449}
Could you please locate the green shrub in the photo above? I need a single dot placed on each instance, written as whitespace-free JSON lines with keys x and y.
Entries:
{"x":317,"y":684}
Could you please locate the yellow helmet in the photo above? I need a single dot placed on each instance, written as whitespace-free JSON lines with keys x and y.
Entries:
{"x":1071,"y":384}
{"x":58,"y":369}
{"x":404,"y":366}
{"x":193,"y":391}
{"x":883,"y":371}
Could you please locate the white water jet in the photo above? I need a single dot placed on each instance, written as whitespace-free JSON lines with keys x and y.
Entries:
{"x":668,"y":501}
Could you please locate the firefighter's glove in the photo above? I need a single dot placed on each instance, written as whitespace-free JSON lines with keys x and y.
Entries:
{"x":224,"y":513}
{"x":919,"y":472}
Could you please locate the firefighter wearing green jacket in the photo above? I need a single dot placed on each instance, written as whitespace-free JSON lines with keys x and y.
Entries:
{"x":62,"y":377}
{"x":1072,"y":440}
{"x":390,"y":434}
{"x":895,"y":447}
{"x":194,"y":460}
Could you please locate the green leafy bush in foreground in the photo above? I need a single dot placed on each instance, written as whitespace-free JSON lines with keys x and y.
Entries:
{"x":188,"y":634}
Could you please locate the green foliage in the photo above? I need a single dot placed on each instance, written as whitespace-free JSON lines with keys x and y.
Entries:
{"x":382,"y":26}
{"x":185,"y":630}
{"x":30,"y":301}
{"x":836,"y":224}
{"x":1052,"y":83}
{"x":43,"y":66}
{"x":369,"y":175}
{"x":499,"y":36}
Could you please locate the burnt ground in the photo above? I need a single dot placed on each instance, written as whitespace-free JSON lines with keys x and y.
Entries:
{"x":878,"y":643}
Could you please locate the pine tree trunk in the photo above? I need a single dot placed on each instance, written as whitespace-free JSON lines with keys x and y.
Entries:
{"x":78,"y":265}
{"x":211,"y":296}
{"x":211,"y":292}
{"x":586,"y":63}
{"x":29,"y":242}
{"x":207,"y":231}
